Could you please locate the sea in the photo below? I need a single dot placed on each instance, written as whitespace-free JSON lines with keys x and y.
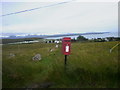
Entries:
{"x":93,"y":36}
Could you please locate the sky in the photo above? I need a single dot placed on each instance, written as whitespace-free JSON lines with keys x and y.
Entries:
{"x":57,"y":17}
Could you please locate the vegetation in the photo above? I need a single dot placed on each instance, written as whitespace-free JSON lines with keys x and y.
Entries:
{"x":90,"y":65}
{"x":79,"y":39}
{"x":6,"y":41}
{"x":83,"y":39}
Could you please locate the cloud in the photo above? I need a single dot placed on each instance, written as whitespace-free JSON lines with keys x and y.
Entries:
{"x":59,"y":0}
{"x":70,"y":17}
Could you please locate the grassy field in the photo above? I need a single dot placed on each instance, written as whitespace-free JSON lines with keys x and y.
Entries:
{"x":6,"y":41}
{"x":90,"y":65}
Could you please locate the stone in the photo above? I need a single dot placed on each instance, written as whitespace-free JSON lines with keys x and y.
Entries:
{"x":56,"y":46}
{"x":11,"y":55}
{"x":52,"y":49}
{"x":37,"y":57}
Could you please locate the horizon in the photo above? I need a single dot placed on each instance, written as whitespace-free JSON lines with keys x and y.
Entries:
{"x":24,"y":35}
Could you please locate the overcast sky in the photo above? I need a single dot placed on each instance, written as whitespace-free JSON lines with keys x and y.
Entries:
{"x":53,"y":18}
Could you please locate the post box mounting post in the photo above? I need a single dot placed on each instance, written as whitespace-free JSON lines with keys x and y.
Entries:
{"x":65,"y":59}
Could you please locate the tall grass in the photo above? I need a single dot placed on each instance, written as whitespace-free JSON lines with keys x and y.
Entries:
{"x":89,"y":65}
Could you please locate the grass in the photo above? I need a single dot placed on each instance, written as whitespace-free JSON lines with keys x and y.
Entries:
{"x":6,"y":41}
{"x":90,"y":65}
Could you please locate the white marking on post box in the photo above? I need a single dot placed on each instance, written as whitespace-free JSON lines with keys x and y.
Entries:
{"x":67,"y":49}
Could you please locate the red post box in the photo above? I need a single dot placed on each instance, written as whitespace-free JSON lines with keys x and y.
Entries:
{"x":66,"y":45}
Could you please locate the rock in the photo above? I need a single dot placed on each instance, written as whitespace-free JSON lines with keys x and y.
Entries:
{"x":11,"y":55}
{"x":37,"y":57}
{"x":56,"y":46}
{"x":52,"y":49}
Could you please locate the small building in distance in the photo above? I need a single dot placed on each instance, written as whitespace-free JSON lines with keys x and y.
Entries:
{"x":53,"y":41}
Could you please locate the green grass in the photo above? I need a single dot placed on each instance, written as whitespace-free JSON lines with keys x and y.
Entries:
{"x":6,"y":41}
{"x":90,"y":65}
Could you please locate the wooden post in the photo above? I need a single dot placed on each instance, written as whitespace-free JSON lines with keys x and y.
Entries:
{"x":65,"y":60}
{"x":65,"y":67}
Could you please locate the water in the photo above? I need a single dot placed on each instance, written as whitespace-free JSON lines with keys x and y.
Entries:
{"x":111,"y":34}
